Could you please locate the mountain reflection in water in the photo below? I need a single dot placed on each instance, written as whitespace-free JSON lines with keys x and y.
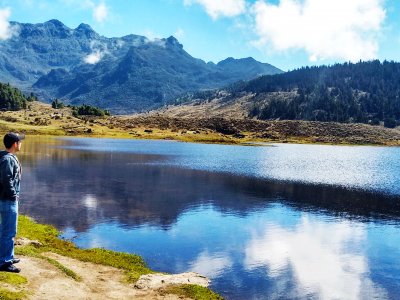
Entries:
{"x":253,"y":236}
{"x":87,"y":188}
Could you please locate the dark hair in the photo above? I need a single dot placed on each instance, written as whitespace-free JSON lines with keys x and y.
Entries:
{"x":11,"y":138}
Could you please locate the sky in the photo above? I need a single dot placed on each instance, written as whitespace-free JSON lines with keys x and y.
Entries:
{"x":285,"y":33}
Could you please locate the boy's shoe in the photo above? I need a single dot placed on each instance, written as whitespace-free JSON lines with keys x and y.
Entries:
{"x":15,"y":260}
{"x":10,"y":268}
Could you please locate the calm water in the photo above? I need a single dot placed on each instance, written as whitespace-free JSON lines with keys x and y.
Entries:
{"x":271,"y":222}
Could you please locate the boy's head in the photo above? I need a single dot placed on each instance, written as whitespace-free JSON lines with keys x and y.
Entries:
{"x":11,"y":138}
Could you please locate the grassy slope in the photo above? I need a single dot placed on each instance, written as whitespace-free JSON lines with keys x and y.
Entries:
{"x":41,"y":119}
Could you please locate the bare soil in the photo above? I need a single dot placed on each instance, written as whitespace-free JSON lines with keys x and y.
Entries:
{"x":45,"y":281}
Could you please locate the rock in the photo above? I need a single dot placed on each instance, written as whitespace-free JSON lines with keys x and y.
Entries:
{"x":154,"y":281}
{"x":26,"y":242}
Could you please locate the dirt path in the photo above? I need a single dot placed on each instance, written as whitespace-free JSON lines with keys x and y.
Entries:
{"x":45,"y":281}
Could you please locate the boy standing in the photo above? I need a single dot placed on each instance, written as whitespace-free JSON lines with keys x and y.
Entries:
{"x":10,"y":178}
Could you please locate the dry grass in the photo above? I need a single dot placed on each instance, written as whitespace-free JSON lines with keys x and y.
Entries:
{"x":42,"y":119}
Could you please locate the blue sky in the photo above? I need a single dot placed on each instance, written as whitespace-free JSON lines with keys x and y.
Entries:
{"x":285,"y":33}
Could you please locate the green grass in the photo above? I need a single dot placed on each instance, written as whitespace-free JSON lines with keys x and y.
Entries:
{"x":8,"y":295}
{"x":11,"y":278}
{"x":14,"y":280}
{"x":48,"y":236}
{"x":192,"y":291}
{"x":63,"y":268}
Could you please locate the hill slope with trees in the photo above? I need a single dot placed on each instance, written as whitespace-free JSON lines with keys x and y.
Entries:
{"x":13,"y":99}
{"x":363,"y":92}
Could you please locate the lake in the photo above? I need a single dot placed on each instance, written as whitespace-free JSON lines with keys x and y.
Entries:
{"x":274,"y":221}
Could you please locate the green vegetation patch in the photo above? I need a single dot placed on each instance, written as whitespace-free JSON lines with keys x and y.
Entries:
{"x":192,"y":291}
{"x":13,"y":99}
{"x":48,"y":236}
{"x":11,"y":278}
{"x":31,"y":230}
{"x":8,"y":295}
{"x":88,"y":110}
{"x":63,"y":268}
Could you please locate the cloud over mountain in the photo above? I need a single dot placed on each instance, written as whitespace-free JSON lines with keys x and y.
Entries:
{"x":94,"y":57}
{"x":6,"y":31}
{"x":323,"y":29}
{"x":125,"y":74}
{"x":337,"y":29}
{"x":221,"y":8}
{"x":100,"y":12}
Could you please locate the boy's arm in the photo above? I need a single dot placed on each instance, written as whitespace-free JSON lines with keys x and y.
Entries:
{"x":6,"y":178}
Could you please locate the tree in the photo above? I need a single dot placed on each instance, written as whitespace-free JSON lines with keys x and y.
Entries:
{"x":57,"y":104}
{"x":390,"y":123}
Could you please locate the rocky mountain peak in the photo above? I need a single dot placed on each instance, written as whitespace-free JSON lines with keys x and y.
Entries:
{"x":172,"y":41}
{"x":231,"y":60}
{"x":55,"y":23}
{"x":133,"y":73}
{"x":85,"y":30}
{"x":52,"y":28}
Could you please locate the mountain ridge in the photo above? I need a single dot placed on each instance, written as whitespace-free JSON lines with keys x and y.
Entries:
{"x":80,"y":66}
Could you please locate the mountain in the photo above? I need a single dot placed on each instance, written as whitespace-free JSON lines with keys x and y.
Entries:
{"x":363,"y":92}
{"x":124,"y":75}
{"x":247,"y":66}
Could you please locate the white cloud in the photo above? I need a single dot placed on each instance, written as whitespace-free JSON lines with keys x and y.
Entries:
{"x":94,"y":57}
{"x":98,"y":51}
{"x":6,"y":31}
{"x":220,"y":8}
{"x":325,"y":29}
{"x":100,"y":12}
{"x":319,"y":256}
{"x":151,"y":35}
{"x":179,"y":34}
{"x":153,"y":38}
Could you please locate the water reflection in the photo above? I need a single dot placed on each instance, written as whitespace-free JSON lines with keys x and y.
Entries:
{"x":371,"y":168}
{"x":182,"y":208}
{"x":211,"y":265}
{"x":83,"y":189}
{"x":326,"y":260}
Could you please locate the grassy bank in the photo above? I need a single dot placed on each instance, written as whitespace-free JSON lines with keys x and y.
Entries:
{"x":44,"y":239}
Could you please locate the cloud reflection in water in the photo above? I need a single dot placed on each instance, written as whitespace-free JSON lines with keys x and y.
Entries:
{"x":211,"y":265}
{"x":318,"y":255}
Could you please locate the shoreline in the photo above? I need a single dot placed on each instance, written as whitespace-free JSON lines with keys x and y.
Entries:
{"x":53,"y":268}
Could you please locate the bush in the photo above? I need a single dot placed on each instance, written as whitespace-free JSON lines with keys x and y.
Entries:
{"x":57,"y":104}
{"x":88,"y":110}
{"x":375,"y":121}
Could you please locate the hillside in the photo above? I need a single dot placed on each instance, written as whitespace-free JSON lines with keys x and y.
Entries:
{"x":215,"y":121}
{"x":42,"y":119}
{"x":124,"y":75}
{"x":365,"y":92}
